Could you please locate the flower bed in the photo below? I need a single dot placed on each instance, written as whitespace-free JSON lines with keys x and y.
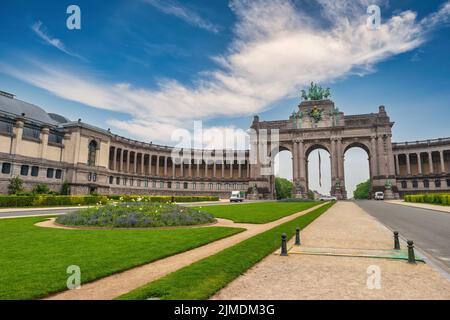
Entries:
{"x":433,"y":198}
{"x":128,"y":198}
{"x":136,"y":215}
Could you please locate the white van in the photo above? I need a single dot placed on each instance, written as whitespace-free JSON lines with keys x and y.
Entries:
{"x":379,"y":195}
{"x":237,"y":196}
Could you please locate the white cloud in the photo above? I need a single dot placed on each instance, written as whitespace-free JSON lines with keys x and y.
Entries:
{"x":173,"y":8}
{"x":277,"y":49}
{"x":42,"y":32}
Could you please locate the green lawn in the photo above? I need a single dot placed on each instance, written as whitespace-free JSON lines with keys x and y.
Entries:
{"x":261,"y":212}
{"x":33,"y":260}
{"x":202,"y":279}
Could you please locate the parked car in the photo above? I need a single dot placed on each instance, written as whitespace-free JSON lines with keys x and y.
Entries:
{"x":237,"y":196}
{"x":379,"y":195}
{"x":327,"y":198}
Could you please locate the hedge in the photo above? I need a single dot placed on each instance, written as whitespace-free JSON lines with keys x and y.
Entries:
{"x":433,"y":198}
{"x":46,"y":200}
{"x":128,"y":198}
{"x":8,"y":201}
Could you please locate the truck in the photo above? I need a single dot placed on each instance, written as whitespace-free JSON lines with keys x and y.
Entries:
{"x":237,"y":196}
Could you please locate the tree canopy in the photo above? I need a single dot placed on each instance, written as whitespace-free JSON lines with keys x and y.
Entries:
{"x":362,"y":190}
{"x":283,"y":188}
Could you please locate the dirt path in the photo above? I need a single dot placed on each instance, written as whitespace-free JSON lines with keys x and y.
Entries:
{"x":300,"y":276}
{"x":115,"y":285}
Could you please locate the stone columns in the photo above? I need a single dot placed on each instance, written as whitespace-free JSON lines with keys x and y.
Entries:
{"x":165,"y":166}
{"x":408,"y":165}
{"x":214,"y":168}
{"x":231,"y":168}
{"x":157,"y":165}
{"x":295,"y":162}
{"x":190,"y":168}
{"x":17,"y":136}
{"x":441,"y":153}
{"x":430,"y":159}
{"x":302,"y":163}
{"x":182,"y":168}
{"x":248,"y":169}
{"x":334,"y":160}
{"x":397,"y":164}
{"x":173,"y":168}
{"x":122,"y":152}
{"x":374,"y":157}
{"x":198,"y":168}
{"x":419,"y":163}
{"x":114,"y":165}
{"x":44,"y":142}
{"x":239,"y":170}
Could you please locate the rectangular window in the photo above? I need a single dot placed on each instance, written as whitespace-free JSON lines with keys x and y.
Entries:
{"x":404,"y":185}
{"x":161,"y":185}
{"x":178,"y":185}
{"x":218,"y":186}
{"x":89,"y":176}
{"x":124,"y":181}
{"x":24,"y":170}
{"x":5,"y":127}
{"x":118,"y":180}
{"x":154,"y":184}
{"x":194,"y":186}
{"x":415,"y":184}
{"x":55,"y":138}
{"x":146,"y":184}
{"x":210,"y":186}
{"x":131,"y":182}
{"x":185,"y":185}
{"x":50,"y":173}
{"x":426,"y":183}
{"x":448,"y":182}
{"x":437,"y":182}
{"x":94,"y":177}
{"x":169,"y":185}
{"x":31,"y":132}
{"x":34,"y":171}
{"x":111,"y":180}
{"x":58,"y":174}
{"x":6,"y":168}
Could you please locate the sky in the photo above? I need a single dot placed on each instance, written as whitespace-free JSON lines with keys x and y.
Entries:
{"x":148,"y":69}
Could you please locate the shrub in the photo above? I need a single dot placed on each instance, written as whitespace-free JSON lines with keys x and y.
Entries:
{"x":65,"y":188}
{"x":432,"y":198}
{"x":41,"y":188}
{"x":164,"y":199}
{"x":15,"y":185}
{"x":49,"y":200}
{"x":136,"y":215}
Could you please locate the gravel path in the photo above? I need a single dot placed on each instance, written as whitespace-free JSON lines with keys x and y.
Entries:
{"x":115,"y":285}
{"x":299,"y":276}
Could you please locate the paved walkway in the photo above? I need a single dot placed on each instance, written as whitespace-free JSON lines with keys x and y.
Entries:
{"x":301,"y":276}
{"x":428,"y":206}
{"x":115,"y":285}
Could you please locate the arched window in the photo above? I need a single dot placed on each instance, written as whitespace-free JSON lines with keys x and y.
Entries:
{"x":92,"y":153}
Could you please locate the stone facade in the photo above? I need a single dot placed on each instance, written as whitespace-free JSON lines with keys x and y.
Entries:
{"x":319,"y":125}
{"x":50,"y":149}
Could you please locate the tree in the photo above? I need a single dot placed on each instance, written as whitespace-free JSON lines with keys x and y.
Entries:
{"x":15,"y":185}
{"x":362,"y":190}
{"x":283,"y":188}
{"x":41,"y":188}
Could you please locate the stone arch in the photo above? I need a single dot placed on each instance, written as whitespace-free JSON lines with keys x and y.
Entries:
{"x":92,"y":152}
{"x":359,"y":175}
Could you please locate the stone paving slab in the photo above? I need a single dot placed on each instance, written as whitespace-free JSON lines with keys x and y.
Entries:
{"x":300,"y":276}
{"x":360,"y":253}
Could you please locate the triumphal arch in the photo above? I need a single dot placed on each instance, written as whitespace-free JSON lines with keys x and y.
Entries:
{"x":319,"y":124}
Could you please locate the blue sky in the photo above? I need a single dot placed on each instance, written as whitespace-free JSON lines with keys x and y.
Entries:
{"x":147,"y":67}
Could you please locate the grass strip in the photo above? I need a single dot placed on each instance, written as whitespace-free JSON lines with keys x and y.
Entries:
{"x":257,"y":213}
{"x":202,"y":279}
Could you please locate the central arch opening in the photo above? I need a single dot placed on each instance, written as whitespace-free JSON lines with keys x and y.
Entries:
{"x":283,"y":169}
{"x":318,"y":170}
{"x":357,"y":170}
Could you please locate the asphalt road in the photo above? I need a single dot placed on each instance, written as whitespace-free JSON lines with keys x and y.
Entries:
{"x":430,"y":230}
